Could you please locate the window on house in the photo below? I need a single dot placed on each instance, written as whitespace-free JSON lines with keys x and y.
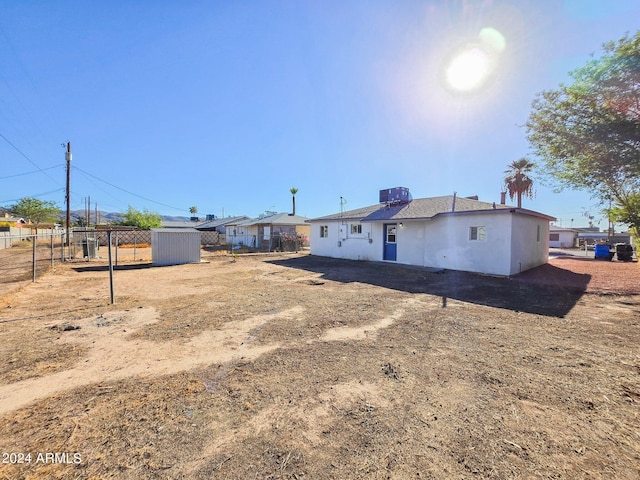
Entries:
{"x":324,"y":231}
{"x":356,"y":228}
{"x":554,"y":237}
{"x":477,"y":233}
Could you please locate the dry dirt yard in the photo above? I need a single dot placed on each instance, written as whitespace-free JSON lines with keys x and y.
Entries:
{"x":293,"y":366}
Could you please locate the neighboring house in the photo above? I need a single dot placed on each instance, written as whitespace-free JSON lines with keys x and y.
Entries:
{"x":446,"y":232}
{"x":220,"y":224}
{"x":17,"y":221}
{"x":267,"y":231}
{"x":560,"y":237}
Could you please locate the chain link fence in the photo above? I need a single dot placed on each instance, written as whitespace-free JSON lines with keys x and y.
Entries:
{"x":25,"y":255}
{"x":275,"y":242}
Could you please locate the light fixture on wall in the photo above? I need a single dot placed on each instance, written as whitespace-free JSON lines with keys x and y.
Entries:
{"x":401,"y":225}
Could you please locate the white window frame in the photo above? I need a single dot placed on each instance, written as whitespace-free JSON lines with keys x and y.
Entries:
{"x":324,"y":231}
{"x":477,"y":233}
{"x":356,"y":228}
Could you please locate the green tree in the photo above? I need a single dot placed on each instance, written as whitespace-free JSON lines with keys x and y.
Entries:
{"x":518,"y":181}
{"x":587,"y":133}
{"x":144,"y":220}
{"x":628,"y":214}
{"x":36,"y":211}
{"x":193,"y":210}
{"x":293,"y":191}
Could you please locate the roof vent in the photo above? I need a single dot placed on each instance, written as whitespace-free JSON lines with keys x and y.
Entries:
{"x":395,"y":195}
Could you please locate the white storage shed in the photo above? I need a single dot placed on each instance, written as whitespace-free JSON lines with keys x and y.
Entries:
{"x":175,"y":246}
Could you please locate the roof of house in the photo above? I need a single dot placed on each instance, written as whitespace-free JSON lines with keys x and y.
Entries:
{"x":275,"y":219}
{"x":556,"y":228}
{"x":425,"y":208}
{"x":218,"y":222}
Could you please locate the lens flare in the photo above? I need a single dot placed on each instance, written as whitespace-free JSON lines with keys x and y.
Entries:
{"x":471,"y":66}
{"x":493,"y":39}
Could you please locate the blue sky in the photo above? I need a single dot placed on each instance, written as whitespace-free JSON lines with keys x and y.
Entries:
{"x":226,"y":105}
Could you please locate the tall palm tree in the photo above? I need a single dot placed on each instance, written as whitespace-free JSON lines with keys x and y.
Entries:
{"x":517,"y":180}
{"x":293,"y":191}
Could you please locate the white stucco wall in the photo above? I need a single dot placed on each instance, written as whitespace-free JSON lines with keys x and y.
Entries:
{"x":448,"y":244}
{"x":529,"y":243}
{"x":351,"y":246}
{"x":566,"y":239}
{"x":441,"y":243}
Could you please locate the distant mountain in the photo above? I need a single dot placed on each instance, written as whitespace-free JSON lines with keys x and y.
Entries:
{"x":112,"y":217}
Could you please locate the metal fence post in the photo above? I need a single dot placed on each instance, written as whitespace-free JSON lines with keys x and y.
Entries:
{"x":51,"y":248}
{"x":111,"y":294}
{"x":34,"y":239}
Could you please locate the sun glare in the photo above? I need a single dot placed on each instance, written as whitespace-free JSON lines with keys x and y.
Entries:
{"x":470,"y":67}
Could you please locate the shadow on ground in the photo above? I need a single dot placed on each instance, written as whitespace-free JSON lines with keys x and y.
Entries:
{"x":105,"y":268}
{"x":546,"y":290}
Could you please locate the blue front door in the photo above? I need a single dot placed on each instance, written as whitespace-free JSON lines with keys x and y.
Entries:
{"x":390,"y":250}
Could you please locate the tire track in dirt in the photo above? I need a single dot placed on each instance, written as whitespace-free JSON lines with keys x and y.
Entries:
{"x":337,"y":397}
{"x":112,"y":356}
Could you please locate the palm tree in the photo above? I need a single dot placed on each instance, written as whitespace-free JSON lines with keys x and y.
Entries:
{"x":517,"y":180}
{"x":293,"y":191}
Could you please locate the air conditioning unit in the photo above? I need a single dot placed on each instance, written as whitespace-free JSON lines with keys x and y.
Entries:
{"x":395,"y":195}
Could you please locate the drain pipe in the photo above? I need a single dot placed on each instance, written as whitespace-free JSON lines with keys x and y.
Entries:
{"x":453,"y":204}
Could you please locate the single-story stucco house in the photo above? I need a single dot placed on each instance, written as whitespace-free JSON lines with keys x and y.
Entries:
{"x":267,"y":231}
{"x":560,"y":237}
{"x":445,"y":232}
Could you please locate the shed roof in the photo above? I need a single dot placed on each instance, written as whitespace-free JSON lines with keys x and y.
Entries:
{"x":426,"y":208}
{"x":175,"y":230}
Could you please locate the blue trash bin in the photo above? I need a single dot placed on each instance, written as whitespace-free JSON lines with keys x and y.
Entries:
{"x":602,"y":252}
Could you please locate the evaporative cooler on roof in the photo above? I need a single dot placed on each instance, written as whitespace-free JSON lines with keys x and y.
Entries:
{"x":395,"y":195}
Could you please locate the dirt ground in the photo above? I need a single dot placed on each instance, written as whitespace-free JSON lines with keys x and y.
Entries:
{"x":294,"y":366}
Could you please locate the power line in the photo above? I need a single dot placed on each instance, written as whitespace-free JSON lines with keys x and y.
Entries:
{"x":127,"y":191}
{"x":33,"y":171}
{"x":33,"y":196}
{"x":25,"y":156}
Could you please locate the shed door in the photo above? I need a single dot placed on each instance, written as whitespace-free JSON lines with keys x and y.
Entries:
{"x":390,"y":246}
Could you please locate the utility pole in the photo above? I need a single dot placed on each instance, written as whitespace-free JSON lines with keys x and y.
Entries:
{"x":68,"y":196}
